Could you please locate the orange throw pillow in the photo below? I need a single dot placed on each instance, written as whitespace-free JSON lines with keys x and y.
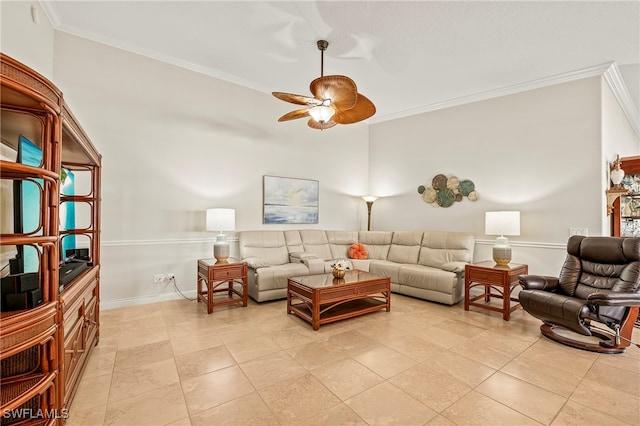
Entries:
{"x":358,"y":251}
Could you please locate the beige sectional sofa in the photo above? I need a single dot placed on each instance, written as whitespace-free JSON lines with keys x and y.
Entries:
{"x":425,"y":264}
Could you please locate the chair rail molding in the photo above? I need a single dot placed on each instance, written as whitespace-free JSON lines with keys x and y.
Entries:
{"x":529,"y":244}
{"x":116,"y":243}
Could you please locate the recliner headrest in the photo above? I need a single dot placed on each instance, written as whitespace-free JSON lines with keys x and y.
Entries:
{"x":609,"y":250}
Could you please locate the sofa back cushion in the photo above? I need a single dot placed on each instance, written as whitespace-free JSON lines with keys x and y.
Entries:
{"x":267,"y":245}
{"x":440,"y":247}
{"x":294,"y":241}
{"x":340,"y":241}
{"x":376,"y":242}
{"x":405,"y":247}
{"x":315,"y":241}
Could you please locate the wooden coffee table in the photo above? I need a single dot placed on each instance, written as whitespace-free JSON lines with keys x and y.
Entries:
{"x":321,"y":299}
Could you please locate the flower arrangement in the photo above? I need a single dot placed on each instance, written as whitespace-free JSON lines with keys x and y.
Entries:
{"x":341,"y":265}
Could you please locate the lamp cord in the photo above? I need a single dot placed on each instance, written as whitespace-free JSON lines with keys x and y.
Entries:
{"x":175,"y":286}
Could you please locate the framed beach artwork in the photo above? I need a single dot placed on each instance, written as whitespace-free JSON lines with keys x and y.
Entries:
{"x":290,"y":200}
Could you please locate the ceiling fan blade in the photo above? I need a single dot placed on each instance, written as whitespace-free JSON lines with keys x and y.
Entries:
{"x":296,"y":99}
{"x":363,"y":109}
{"x":326,"y":125}
{"x":299,"y":113}
{"x":340,"y":89}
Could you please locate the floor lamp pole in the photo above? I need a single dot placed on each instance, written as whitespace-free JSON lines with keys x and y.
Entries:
{"x":369,"y":199}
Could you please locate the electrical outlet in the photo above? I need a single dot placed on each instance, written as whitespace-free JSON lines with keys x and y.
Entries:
{"x":158,"y":278}
{"x":579,"y":231}
{"x":171,"y":277}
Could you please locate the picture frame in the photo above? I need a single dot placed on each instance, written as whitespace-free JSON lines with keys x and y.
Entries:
{"x":290,"y":200}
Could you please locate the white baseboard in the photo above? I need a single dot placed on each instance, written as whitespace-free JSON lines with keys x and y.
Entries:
{"x":145,"y":300}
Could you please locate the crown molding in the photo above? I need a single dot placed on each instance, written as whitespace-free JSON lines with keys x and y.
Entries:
{"x":51,"y":12}
{"x":614,"y":79}
{"x":609,"y":71}
{"x":58,"y":25}
{"x":151,"y":54}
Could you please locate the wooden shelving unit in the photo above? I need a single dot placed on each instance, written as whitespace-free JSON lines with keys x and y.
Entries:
{"x":625,"y":223}
{"x":44,"y":349}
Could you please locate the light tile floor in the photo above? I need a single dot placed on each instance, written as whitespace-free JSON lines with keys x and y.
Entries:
{"x":422,"y":363}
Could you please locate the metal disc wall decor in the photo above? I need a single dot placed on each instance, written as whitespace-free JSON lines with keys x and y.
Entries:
{"x":445,"y":191}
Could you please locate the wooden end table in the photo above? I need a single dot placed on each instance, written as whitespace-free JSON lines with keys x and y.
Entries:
{"x":214,"y":274}
{"x":498,"y":281}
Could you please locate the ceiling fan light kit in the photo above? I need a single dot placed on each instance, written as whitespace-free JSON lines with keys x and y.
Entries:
{"x":335,"y":100}
{"x":321,"y":113}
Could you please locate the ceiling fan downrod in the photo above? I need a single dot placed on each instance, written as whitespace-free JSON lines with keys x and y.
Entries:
{"x":322,"y":46}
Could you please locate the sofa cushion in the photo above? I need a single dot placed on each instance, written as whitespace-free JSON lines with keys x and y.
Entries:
{"x":269,"y":246}
{"x":340,"y":241}
{"x":376,"y":242}
{"x":441,"y":247}
{"x":276,"y":276}
{"x":386,"y":269}
{"x":294,"y":241}
{"x":315,"y":241}
{"x":358,"y":251}
{"x":405,"y":247}
{"x":428,"y":278}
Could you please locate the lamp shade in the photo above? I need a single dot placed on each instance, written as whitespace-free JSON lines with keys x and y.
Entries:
{"x":369,"y":198}
{"x":221,"y":220}
{"x":502,"y":223}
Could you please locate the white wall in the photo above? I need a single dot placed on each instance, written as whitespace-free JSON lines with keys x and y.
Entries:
{"x":536,"y":151}
{"x":25,"y":40}
{"x":175,"y":142}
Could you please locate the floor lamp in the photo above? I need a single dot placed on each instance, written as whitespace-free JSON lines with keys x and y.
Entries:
{"x":369,"y":199}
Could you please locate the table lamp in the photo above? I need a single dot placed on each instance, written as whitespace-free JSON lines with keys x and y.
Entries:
{"x":502,"y":223}
{"x":221,"y":220}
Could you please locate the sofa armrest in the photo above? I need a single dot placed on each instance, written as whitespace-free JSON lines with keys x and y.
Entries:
{"x":538,"y":282}
{"x":456,"y":267}
{"x":315,"y":265}
{"x":299,"y":257}
{"x":256,"y":262}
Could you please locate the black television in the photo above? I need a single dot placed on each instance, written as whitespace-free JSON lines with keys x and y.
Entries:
{"x":26,"y":210}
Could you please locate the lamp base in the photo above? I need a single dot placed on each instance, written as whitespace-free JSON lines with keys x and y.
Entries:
{"x":221,"y":248}
{"x":502,"y":252}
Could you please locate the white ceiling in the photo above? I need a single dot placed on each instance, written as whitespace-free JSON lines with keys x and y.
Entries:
{"x":404,"y":56}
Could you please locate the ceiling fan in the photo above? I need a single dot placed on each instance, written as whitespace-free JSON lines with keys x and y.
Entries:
{"x":335,"y":100}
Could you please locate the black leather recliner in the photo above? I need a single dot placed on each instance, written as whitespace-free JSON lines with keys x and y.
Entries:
{"x":599,"y":282}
